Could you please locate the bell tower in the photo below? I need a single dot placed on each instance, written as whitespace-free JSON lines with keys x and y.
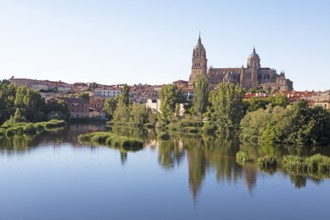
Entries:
{"x":199,"y":62}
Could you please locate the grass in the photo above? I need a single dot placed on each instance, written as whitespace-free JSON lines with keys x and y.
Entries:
{"x":187,"y":126}
{"x":242,"y":157}
{"x":30,"y":128}
{"x":267,"y":161}
{"x":112,"y":140}
{"x":316,"y":164}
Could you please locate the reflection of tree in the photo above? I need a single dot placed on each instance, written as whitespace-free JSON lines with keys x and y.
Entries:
{"x":17,"y":143}
{"x":250,"y":176}
{"x":170,"y":152}
{"x":135,"y":132}
{"x":123,"y":157}
{"x":298,"y":181}
{"x":196,"y":168}
{"x":203,"y":154}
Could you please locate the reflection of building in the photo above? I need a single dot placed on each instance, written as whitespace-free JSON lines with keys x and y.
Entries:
{"x":251,"y":76}
{"x":250,"y":176}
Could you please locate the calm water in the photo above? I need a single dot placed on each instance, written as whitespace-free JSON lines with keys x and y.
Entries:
{"x":53,"y":177}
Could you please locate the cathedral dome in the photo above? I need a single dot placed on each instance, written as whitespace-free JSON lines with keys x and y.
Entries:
{"x":254,"y":55}
{"x":253,"y":60}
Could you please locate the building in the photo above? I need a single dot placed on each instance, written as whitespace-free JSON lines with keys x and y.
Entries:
{"x":41,"y":85}
{"x":107,"y":92}
{"x":79,"y":108}
{"x":320,"y":99}
{"x":252,"y":76}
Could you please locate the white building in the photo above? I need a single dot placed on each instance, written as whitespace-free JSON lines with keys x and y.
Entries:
{"x":109,"y":92}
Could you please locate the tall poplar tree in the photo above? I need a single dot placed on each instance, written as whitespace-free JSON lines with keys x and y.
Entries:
{"x":227,"y":108}
{"x":201,"y":95}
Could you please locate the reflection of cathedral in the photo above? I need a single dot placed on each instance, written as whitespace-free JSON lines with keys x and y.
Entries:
{"x":251,"y":76}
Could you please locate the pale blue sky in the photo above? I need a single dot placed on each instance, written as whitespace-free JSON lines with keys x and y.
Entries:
{"x":150,"y":41}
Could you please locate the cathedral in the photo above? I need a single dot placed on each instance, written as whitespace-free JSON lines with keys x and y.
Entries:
{"x":252,"y":76}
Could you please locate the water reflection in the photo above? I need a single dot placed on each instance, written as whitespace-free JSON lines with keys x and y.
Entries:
{"x":201,"y":155}
{"x":23,"y":143}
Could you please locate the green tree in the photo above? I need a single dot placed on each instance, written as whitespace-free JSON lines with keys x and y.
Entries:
{"x":201,"y":95}
{"x":140,"y":114}
{"x":110,"y":106}
{"x":279,"y":100}
{"x":58,"y":110}
{"x":124,"y":96}
{"x":16,"y":118}
{"x":254,"y":123}
{"x":256,"y":103}
{"x":170,"y":95}
{"x":297,"y":124}
{"x":122,"y":113}
{"x":226,"y":108}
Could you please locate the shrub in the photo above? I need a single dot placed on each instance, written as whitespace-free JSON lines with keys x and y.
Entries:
{"x":318,"y":163}
{"x":149,"y":125}
{"x":55,"y":124}
{"x":2,"y":132}
{"x":85,"y":137}
{"x":208,"y":128}
{"x":267,"y":161}
{"x":173,"y":127}
{"x":29,"y":129}
{"x":112,"y":140}
{"x":100,"y":137}
{"x":132,"y":144}
{"x":163,"y":135}
{"x":10,"y":132}
{"x":242,"y":157}
{"x":39,"y":127}
{"x":190,"y":129}
{"x":294,"y":163}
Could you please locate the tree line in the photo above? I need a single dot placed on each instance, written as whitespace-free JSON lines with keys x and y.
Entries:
{"x":21,"y":104}
{"x":122,"y":111}
{"x":224,"y":112}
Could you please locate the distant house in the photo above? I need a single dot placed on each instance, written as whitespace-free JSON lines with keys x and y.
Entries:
{"x":107,"y":92}
{"x":188,"y":93}
{"x":320,"y":99}
{"x":181,"y":83}
{"x":79,"y":108}
{"x":154,"y":105}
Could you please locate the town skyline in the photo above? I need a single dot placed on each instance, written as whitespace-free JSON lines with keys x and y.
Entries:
{"x":108,"y":42}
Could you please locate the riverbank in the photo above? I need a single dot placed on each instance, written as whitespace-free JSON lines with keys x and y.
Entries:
{"x":26,"y":128}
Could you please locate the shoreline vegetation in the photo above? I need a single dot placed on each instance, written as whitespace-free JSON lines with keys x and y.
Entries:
{"x":317,"y":165}
{"x":123,"y":143}
{"x":220,"y":113}
{"x":28,"y":128}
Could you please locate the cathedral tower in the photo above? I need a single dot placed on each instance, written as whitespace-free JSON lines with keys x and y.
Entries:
{"x":199,"y":62}
{"x":253,"y":60}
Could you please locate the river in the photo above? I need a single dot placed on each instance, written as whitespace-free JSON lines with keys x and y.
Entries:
{"x":52,"y":176}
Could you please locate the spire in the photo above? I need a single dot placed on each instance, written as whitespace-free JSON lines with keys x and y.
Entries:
{"x":254,"y":50}
{"x":199,"y":38}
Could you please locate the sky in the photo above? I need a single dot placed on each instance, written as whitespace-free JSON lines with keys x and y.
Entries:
{"x":151,"y":41}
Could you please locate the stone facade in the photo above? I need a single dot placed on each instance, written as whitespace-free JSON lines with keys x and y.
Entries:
{"x":252,"y":76}
{"x":199,"y":62}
